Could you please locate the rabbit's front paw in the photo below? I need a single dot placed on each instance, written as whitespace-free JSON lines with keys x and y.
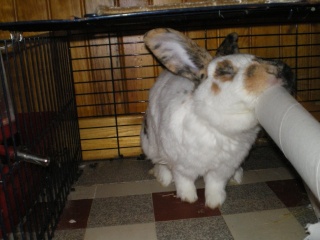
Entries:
{"x":186,"y":191}
{"x":215,"y":199}
{"x":214,"y":191}
{"x":188,"y":196}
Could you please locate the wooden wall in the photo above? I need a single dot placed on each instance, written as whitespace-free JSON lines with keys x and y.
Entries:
{"x":22,"y":10}
{"x":90,"y":55}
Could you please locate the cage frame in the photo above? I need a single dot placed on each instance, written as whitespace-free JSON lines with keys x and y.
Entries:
{"x":227,"y":15}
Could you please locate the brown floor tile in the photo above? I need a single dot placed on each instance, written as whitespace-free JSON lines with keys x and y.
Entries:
{"x":75,"y":214}
{"x":168,"y":207}
{"x":291,"y":192}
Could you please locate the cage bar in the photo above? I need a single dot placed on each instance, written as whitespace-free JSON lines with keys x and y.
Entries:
{"x":112,"y":93}
{"x":42,"y":125}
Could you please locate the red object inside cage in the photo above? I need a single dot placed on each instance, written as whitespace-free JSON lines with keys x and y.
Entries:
{"x":20,"y":180}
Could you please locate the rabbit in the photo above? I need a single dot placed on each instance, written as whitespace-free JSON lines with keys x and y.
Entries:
{"x":200,"y":120}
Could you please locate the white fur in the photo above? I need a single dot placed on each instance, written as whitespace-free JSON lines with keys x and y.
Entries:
{"x":194,"y":132}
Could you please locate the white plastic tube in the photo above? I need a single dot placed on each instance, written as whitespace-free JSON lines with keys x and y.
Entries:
{"x":295,"y":131}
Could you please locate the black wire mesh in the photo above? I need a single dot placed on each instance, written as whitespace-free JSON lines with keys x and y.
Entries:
{"x":39,"y":123}
{"x":113,"y":73}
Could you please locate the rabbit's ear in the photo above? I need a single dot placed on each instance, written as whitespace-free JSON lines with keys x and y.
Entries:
{"x":178,"y":53}
{"x":229,"y":45}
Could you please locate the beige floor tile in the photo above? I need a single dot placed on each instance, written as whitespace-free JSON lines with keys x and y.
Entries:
{"x":277,"y":224}
{"x":124,"y":232}
{"x":83,"y":192}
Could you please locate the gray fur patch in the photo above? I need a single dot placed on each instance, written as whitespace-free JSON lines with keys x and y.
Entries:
{"x":145,"y":125}
{"x":157,"y":46}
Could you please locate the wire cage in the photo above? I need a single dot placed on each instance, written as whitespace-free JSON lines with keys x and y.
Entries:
{"x":112,"y":88}
{"x":40,"y":149}
{"x":87,"y":85}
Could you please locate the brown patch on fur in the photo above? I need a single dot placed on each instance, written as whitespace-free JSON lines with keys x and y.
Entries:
{"x":215,"y":88}
{"x":225,"y":71}
{"x":256,"y":78}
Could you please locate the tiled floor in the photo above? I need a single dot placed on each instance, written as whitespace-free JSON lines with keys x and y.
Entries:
{"x":120,"y":200}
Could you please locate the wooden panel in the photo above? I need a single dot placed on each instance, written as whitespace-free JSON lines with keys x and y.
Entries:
{"x":64,"y":9}
{"x":313,"y":108}
{"x":32,"y":10}
{"x":108,"y":132}
{"x":21,"y":10}
{"x":131,"y":152}
{"x":7,"y":13}
{"x":265,"y":41}
{"x":134,"y":50}
{"x":100,"y":154}
{"x":161,"y":2}
{"x":216,"y":36}
{"x":99,"y":136}
{"x":81,"y":64}
{"x":109,"y":121}
{"x":96,"y":144}
{"x":91,"y":5}
{"x":131,"y":3}
{"x":110,"y":153}
{"x":108,"y":143}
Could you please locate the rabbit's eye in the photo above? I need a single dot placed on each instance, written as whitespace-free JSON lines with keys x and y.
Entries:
{"x":225,"y":71}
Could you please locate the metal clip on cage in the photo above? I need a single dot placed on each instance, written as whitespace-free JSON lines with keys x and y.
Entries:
{"x":16,"y":36}
{"x":27,"y":156}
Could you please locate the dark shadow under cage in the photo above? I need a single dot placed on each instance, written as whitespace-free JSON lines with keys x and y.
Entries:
{"x":40,"y":149}
{"x":87,"y":85}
